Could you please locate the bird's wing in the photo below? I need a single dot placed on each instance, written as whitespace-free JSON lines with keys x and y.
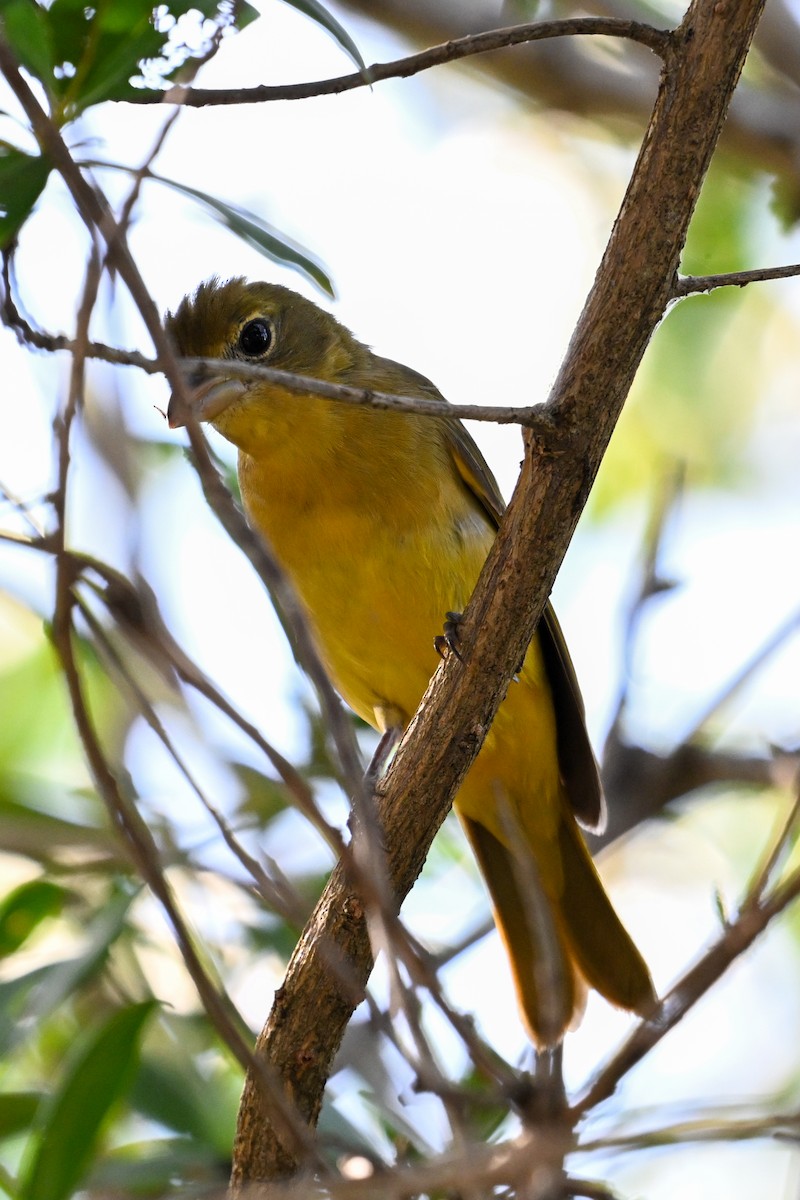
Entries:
{"x":576,"y":758}
{"x":575,"y":755}
{"x":474,"y":469}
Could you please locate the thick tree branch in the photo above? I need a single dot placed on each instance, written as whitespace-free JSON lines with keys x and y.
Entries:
{"x":632,"y":289}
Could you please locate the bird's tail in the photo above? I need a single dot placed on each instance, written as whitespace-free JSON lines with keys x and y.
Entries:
{"x":559,"y":943}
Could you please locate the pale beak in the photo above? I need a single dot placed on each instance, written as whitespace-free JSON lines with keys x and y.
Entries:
{"x":206,"y":400}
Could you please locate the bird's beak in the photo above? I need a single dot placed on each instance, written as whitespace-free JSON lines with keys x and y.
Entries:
{"x":206,"y":400}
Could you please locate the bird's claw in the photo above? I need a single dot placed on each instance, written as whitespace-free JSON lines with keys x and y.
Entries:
{"x":450,"y":641}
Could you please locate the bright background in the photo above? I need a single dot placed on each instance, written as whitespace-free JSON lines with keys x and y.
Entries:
{"x":462,"y":233}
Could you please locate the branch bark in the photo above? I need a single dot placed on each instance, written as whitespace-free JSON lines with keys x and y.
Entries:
{"x":559,"y":74}
{"x":453,"y":50}
{"x":633,"y":286}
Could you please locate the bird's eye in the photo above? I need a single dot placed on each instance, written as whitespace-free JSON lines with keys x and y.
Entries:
{"x":255,"y":338}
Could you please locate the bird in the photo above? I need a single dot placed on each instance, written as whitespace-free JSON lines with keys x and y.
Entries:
{"x":383,"y":519}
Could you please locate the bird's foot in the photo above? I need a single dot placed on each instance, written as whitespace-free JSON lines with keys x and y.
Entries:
{"x":450,"y":641}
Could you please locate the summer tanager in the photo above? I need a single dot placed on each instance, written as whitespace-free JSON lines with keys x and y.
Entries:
{"x":383,"y":521}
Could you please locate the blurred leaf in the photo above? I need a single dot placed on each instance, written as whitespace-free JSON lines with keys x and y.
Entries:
{"x":98,"y":48}
{"x":17,"y":1111}
{"x":785,"y":201}
{"x":317,"y":12}
{"x":33,"y":997}
{"x":244,"y":14}
{"x":274,"y":936}
{"x":85,"y":54}
{"x":37,"y":732}
{"x":26,"y":27}
{"x":486,"y":1116}
{"x":258,"y":234}
{"x":170,"y":1090}
{"x":151,"y":1168}
{"x":245,"y":225}
{"x":41,"y":836}
{"x":333,"y":1127}
{"x":96,"y":1075}
{"x":22,"y":180}
{"x":694,"y":396}
{"x":264,"y":797}
{"x":720,"y":234}
{"x":26,"y":907}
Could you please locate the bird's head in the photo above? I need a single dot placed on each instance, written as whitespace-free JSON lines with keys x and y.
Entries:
{"x":258,"y":323}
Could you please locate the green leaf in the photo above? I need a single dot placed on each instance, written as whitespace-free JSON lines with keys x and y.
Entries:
{"x":150,"y":1169}
{"x":26,"y":907}
{"x":246,"y":225}
{"x":317,"y":12}
{"x":32,"y":998}
{"x":22,"y":180}
{"x":257,"y":233}
{"x":264,"y":797}
{"x":184,"y":1085}
{"x":98,"y":48}
{"x":27,"y":29}
{"x":244,"y":14}
{"x":39,"y":835}
{"x":96,"y":1075}
{"x":17,"y":1111}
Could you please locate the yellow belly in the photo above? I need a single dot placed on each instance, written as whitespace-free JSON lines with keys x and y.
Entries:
{"x":376,"y":592}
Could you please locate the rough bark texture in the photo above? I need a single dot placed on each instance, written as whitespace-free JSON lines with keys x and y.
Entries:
{"x":628,"y":299}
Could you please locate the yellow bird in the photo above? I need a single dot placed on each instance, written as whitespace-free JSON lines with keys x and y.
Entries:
{"x":383,"y":521}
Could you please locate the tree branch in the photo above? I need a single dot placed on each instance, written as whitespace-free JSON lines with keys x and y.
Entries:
{"x":631,"y":291}
{"x":753,"y":919}
{"x":641,"y":783}
{"x":690,"y":285}
{"x":401,"y":68}
{"x":763,"y":125}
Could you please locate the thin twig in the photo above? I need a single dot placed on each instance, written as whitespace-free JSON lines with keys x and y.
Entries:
{"x":533,"y":417}
{"x":713,"y":1128}
{"x":122,"y":811}
{"x":530,"y":416}
{"x":137,"y":614}
{"x":744,"y":674}
{"x":691,"y":285}
{"x":753,"y":919}
{"x":654,"y":39}
{"x":277,"y":894}
{"x":649,"y":583}
{"x":139,"y":841}
{"x":777,"y":851}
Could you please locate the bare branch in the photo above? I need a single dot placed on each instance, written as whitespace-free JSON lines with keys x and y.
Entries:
{"x":777,"y":853}
{"x":533,"y":417}
{"x":640,"y":783}
{"x":763,"y":123}
{"x":454,"y":50}
{"x":691,"y":285}
{"x":753,"y":919}
{"x":715,"y":1127}
{"x":744,"y":674}
{"x":275,"y":893}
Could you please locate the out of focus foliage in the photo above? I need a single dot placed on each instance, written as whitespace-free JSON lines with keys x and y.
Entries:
{"x":113,"y":1081}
